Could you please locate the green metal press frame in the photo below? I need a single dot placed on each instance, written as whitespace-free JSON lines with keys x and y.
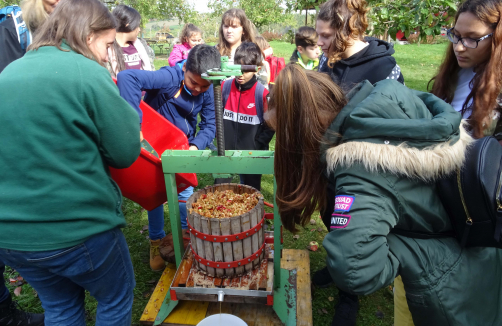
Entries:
{"x":238,"y":162}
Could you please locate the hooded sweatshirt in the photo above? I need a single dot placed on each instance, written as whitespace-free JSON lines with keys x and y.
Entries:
{"x":244,"y":128}
{"x":373,"y":63}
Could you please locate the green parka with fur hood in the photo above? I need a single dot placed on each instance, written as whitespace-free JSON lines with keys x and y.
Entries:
{"x":394,"y":144}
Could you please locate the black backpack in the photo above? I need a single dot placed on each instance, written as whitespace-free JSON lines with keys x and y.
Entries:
{"x":472,"y":195}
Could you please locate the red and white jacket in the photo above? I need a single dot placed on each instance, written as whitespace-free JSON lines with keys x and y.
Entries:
{"x":244,"y":126}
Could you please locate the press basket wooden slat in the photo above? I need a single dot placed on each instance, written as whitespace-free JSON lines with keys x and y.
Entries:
{"x":232,"y":250}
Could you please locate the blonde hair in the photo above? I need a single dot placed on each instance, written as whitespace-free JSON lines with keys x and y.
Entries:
{"x":262,"y":43}
{"x":34,"y":14}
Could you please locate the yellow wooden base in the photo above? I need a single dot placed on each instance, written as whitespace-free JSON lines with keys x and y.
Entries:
{"x":192,"y":312}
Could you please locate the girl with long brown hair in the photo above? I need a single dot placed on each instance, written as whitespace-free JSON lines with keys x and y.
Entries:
{"x":470,"y":77}
{"x":350,"y":57}
{"x":235,"y":28}
{"x":127,"y":52}
{"x":379,"y":150}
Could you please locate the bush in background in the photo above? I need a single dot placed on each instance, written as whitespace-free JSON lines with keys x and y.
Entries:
{"x":270,"y":36}
{"x":438,"y":39}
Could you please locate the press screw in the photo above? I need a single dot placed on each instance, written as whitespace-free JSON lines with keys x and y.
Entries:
{"x":237,"y":237}
{"x":228,"y":265}
{"x":214,"y":239}
{"x":247,"y":233}
{"x":217,"y":265}
{"x":239,"y":264}
{"x":249,"y":259}
{"x":204,"y":237}
{"x":226,"y":239}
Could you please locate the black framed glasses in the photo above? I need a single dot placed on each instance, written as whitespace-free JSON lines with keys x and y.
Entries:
{"x":466,"y":41}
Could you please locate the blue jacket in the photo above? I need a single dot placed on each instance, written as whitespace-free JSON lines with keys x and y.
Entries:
{"x":162,"y":88}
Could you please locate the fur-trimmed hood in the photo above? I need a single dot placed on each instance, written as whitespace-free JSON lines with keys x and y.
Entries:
{"x":390,"y":128}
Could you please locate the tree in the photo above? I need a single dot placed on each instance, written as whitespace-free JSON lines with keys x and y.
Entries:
{"x":426,"y":17}
{"x":260,"y":12}
{"x":159,"y":9}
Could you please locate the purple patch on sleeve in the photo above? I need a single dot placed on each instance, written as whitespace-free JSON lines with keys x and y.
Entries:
{"x":339,"y":221}
{"x":343,"y":203}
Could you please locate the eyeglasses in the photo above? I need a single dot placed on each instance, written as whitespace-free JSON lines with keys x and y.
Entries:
{"x":466,"y":41}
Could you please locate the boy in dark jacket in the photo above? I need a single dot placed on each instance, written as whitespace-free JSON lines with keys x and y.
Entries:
{"x":245,"y":101}
{"x":307,"y":51}
{"x":179,"y":94}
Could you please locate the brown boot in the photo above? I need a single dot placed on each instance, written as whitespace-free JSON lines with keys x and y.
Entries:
{"x":157,"y":264}
{"x":167,"y":248}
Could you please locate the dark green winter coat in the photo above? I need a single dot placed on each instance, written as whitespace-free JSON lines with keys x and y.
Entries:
{"x":394,"y":144}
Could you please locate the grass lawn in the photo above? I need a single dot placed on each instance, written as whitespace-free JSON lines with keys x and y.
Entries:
{"x":418,"y":64}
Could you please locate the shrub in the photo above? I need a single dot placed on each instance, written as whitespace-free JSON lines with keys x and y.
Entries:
{"x":438,"y":39}
{"x":269,"y":36}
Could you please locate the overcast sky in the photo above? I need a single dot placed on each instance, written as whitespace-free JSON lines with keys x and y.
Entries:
{"x":200,"y":5}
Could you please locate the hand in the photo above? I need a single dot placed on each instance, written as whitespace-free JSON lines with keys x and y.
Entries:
{"x":141,"y":136}
{"x":193,"y":148}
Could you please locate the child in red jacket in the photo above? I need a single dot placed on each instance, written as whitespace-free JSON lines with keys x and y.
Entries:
{"x":245,"y":102}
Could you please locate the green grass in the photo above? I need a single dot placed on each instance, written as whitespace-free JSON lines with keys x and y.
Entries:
{"x":418,"y":64}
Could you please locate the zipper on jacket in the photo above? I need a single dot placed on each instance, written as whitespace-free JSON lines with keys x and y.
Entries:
{"x":193,"y":103}
{"x":499,"y":194}
{"x":468,"y":221}
{"x":238,"y":108}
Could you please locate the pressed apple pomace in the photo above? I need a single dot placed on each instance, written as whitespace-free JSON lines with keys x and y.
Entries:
{"x":224,"y":204}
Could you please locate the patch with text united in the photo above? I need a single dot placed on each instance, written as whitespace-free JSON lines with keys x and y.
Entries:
{"x":339,"y":221}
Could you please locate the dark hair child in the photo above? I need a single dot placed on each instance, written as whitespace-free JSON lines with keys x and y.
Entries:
{"x":190,"y":36}
{"x":244,"y":102}
{"x":179,"y":94}
{"x":307,"y":51}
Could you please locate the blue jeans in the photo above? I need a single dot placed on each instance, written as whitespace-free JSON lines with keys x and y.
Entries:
{"x":4,"y":292}
{"x":156,"y":216}
{"x":102,"y":265}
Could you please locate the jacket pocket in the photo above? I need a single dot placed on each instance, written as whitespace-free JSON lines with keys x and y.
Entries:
{"x":416,"y":300}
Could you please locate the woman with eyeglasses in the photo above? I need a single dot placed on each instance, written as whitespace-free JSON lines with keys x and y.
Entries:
{"x":470,"y":77}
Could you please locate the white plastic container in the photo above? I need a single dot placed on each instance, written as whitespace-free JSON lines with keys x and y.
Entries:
{"x":222,"y":320}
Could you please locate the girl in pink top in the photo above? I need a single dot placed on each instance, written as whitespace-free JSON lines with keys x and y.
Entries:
{"x":190,"y":36}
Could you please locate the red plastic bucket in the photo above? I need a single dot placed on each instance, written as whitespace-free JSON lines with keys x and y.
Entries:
{"x":143,"y":182}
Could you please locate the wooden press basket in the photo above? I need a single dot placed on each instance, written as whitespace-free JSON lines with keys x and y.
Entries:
{"x":227,"y":247}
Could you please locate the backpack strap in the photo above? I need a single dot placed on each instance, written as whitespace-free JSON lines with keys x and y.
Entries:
{"x":225,"y":91}
{"x":258,"y":97}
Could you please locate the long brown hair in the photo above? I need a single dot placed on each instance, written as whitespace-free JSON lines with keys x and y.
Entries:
{"x":248,"y":33}
{"x":348,"y":18}
{"x":73,"y":21}
{"x":303,"y":103}
{"x":487,"y":83}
